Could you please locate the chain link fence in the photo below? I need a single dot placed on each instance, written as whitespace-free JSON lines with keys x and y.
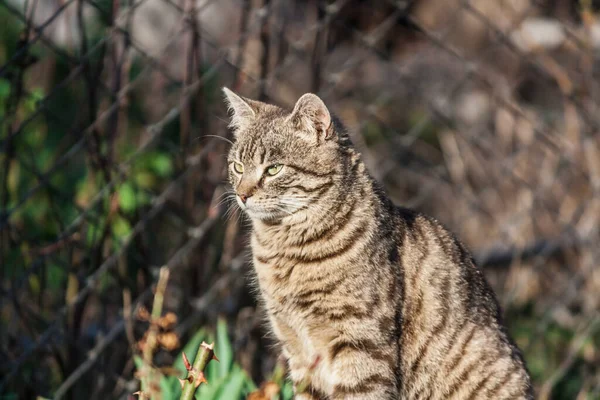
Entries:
{"x":113,"y":148}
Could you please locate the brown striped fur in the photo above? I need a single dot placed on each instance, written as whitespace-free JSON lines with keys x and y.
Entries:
{"x":369,"y":300}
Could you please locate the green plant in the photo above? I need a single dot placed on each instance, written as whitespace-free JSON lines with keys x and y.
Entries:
{"x":225,"y":380}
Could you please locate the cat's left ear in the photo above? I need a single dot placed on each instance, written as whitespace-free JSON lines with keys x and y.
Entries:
{"x":311,"y":115}
{"x":243,"y":111}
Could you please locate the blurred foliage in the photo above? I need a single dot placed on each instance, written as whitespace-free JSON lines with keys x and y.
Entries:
{"x":544,"y":357}
{"x":48,"y":179}
{"x":43,"y":198}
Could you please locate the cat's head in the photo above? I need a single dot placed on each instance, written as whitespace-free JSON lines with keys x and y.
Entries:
{"x":281,"y":162}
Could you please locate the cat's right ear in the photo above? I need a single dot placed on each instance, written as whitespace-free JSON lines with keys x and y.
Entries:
{"x":311,"y":115}
{"x":243,"y":111}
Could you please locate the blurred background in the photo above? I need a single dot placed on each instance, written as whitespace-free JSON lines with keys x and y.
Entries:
{"x":482,"y":113}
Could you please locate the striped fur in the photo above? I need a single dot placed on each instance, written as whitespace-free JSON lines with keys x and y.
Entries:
{"x":369,"y":300}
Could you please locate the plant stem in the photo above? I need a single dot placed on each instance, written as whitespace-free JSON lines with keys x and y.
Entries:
{"x":196,"y":373}
{"x":152,"y":342}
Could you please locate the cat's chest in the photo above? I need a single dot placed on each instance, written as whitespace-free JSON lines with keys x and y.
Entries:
{"x":279,"y":280}
{"x":284,"y":285}
{"x":278,"y":266}
{"x":282,"y":302}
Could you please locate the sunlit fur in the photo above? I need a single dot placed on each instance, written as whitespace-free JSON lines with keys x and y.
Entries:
{"x":368,"y":300}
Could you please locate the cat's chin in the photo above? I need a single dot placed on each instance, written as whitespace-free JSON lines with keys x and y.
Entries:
{"x":264,"y":216}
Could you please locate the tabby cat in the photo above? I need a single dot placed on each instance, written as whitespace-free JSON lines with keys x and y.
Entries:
{"x":368,"y":300}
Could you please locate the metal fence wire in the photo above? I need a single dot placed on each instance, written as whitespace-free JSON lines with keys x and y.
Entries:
{"x":113,"y":141}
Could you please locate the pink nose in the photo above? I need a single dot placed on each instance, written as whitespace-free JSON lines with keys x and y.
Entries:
{"x":243,"y":198}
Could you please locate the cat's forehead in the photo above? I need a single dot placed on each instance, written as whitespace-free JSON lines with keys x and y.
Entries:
{"x":264,"y":140}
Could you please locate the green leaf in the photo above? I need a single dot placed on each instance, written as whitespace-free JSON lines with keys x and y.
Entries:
{"x":32,"y":100}
{"x":137,"y":360}
{"x":175,"y":386}
{"x":37,"y":94}
{"x":145,"y":179}
{"x":162,"y":165}
{"x":139,"y":365}
{"x":250,"y":385}
{"x":287,"y":391}
{"x":127,"y":200}
{"x":234,"y":385}
{"x":143,"y":198}
{"x":34,"y":138}
{"x":167,"y":390}
{"x":225,"y":352}
{"x":94,"y":230}
{"x":211,"y":390}
{"x":121,"y":227}
{"x":35,"y":284}
{"x":4,"y":88}
{"x":55,"y":276}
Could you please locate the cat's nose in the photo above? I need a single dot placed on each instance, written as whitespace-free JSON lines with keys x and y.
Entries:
{"x":243,"y":197}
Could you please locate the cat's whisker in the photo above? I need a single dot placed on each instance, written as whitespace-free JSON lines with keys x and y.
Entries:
{"x":226,"y":202}
{"x":296,"y":205}
{"x":217,"y":137}
{"x":293,"y":201}
{"x":226,"y":193}
{"x":284,"y":210}
{"x":289,"y":200}
{"x":240,"y":216}
{"x":225,"y":199}
{"x":230,"y":211}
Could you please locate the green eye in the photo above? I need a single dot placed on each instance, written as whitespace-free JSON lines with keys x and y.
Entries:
{"x":237,"y":167}
{"x":274,"y":169}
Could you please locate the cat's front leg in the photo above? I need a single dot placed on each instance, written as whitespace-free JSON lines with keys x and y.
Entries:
{"x":300,"y":374}
{"x":360,"y":369}
{"x":299,"y":367}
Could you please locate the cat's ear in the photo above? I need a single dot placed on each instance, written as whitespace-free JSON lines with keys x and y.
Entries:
{"x":243,"y":111}
{"x":311,"y":115}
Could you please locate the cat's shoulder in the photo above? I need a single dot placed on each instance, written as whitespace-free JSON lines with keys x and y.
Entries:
{"x":427,"y":227}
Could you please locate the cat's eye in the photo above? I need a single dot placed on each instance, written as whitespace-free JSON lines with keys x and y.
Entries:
{"x":274,"y":169}
{"x":237,"y":167}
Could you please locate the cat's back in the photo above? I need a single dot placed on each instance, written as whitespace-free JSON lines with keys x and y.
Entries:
{"x":453,"y":342}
